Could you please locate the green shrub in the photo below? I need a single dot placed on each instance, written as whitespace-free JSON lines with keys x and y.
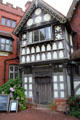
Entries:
{"x":18,"y":91}
{"x":74,"y":104}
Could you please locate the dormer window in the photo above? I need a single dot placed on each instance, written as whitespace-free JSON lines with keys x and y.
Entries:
{"x":6,"y":45}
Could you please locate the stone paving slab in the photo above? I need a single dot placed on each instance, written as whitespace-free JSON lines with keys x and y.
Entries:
{"x":36,"y":115}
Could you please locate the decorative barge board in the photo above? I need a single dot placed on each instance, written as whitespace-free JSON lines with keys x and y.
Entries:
{"x":45,"y":50}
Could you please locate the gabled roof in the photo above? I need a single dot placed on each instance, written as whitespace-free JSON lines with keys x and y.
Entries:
{"x":35,"y":4}
{"x":72,"y":8}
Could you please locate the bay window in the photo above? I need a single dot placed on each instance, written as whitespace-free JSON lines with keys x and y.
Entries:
{"x":6,"y":44}
{"x":40,"y":35}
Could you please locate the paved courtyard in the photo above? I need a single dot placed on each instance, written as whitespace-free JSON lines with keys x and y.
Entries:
{"x":36,"y":115}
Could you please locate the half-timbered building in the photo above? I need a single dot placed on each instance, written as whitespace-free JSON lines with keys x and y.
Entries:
{"x":45,"y":50}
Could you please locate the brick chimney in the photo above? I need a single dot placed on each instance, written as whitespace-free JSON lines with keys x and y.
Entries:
{"x":27,"y":5}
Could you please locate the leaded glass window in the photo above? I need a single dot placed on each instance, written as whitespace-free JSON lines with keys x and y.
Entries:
{"x":36,"y":36}
{"x":6,"y":44}
{"x":13,"y":71}
{"x":58,"y":86}
{"x":40,"y":35}
{"x":28,"y":86}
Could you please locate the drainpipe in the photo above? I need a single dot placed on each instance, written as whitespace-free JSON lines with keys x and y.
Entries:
{"x":9,"y":60}
{"x":5,"y":66}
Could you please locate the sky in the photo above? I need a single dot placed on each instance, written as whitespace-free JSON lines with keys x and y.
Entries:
{"x":61,"y":5}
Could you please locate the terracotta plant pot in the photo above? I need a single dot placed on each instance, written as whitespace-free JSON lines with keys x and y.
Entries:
{"x":54,"y":108}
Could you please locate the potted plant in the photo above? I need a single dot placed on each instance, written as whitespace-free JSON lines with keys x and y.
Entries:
{"x":53,"y":106}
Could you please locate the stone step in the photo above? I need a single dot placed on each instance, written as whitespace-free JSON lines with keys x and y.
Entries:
{"x":44,"y":107}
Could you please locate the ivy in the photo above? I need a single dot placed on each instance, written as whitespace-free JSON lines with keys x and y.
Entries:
{"x":18,"y":93}
{"x":74,"y":104}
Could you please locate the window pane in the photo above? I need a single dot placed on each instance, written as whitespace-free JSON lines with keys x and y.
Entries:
{"x":11,"y":75}
{"x":55,"y":86}
{"x":7,"y":47}
{"x":62,"y":94}
{"x":30,"y":79}
{"x":30,"y":37}
{"x":55,"y":94}
{"x":62,"y":86}
{"x":10,"y":42}
{"x":30,"y":94}
{"x":3,"y":21}
{"x":7,"y":41}
{"x":16,"y":75}
{"x":2,"y":40}
{"x":30,"y":86}
{"x":25,"y":79}
{"x":16,"y":69}
{"x":61,"y":78}
{"x":36,"y":35}
{"x":55,"y":79}
{"x":11,"y":68}
{"x":13,"y":24}
{"x":11,"y":49}
{"x":2,"y":47}
{"x":48,"y":33}
{"x":25,"y":86}
{"x":60,"y":68}
{"x":8,"y":22}
{"x":42,"y":34}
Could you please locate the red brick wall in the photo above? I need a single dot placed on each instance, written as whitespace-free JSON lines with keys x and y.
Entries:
{"x":7,"y":10}
{"x":75,"y":24}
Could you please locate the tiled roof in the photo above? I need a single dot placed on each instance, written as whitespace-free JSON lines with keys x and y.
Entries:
{"x":72,"y":8}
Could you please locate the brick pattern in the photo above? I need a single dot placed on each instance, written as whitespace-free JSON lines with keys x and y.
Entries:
{"x":61,"y":105}
{"x":7,"y":10}
{"x":75,"y":24}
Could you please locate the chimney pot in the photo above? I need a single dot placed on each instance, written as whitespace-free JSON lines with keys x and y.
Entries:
{"x":27,"y":5}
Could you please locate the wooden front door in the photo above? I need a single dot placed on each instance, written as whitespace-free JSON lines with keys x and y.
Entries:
{"x":43,"y":90}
